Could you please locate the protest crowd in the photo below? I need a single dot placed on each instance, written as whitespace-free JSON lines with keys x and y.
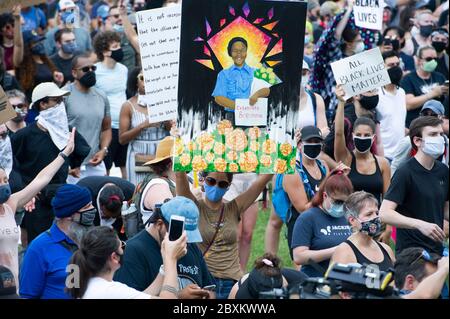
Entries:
{"x":88,"y":190}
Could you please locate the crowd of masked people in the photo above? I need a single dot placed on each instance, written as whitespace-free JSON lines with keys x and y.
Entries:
{"x":370,"y":187}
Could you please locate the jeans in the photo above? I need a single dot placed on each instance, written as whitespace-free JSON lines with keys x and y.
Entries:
{"x":223,"y":287}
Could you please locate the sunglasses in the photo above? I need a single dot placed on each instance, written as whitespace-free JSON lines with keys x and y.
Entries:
{"x":140,"y":77}
{"x":337,"y":201}
{"x":212,"y":182}
{"x":425,"y":255}
{"x":117,"y":16}
{"x":428,"y":59}
{"x":428,"y":113}
{"x":20,"y":105}
{"x":88,"y":68}
{"x":56,"y":99}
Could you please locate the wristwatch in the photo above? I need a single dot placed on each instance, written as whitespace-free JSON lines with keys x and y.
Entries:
{"x":64,"y":156}
{"x":106,"y":150}
{"x":161,"y":270}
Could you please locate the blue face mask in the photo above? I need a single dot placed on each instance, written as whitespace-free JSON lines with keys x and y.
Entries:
{"x":69,"y":48}
{"x":336,"y":211}
{"x":214,"y":193}
{"x":5,"y":193}
{"x":118,"y":28}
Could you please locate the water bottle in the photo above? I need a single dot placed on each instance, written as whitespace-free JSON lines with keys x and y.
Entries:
{"x":124,"y":208}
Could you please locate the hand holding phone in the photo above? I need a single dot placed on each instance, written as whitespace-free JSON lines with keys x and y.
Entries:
{"x":210,"y":288}
{"x":176,"y":227}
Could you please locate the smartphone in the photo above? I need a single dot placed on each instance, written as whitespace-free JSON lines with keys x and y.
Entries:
{"x":210,"y":288}
{"x":176,"y":226}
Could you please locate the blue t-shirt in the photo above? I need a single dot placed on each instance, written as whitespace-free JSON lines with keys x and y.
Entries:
{"x":113,"y":82}
{"x":33,"y":19}
{"x":317,"y":230}
{"x":234,"y":82}
{"x":43,"y":273}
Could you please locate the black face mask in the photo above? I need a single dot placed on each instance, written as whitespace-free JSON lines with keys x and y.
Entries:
{"x":363,"y":144}
{"x":439,"y":46}
{"x":87,"y":217}
{"x":369,"y":102}
{"x":117,"y":55}
{"x":426,"y":30}
{"x":395,"y":74}
{"x":312,"y":151}
{"x":88,"y":79}
{"x":395,"y":44}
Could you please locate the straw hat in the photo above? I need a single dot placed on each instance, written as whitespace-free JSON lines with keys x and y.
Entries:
{"x":163,"y":151}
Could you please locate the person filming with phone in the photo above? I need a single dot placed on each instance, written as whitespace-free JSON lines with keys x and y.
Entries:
{"x":142,"y":264}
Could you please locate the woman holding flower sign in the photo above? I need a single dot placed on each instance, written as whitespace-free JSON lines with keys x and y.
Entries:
{"x":236,"y":82}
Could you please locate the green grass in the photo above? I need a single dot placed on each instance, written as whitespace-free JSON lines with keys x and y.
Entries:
{"x":258,"y":244}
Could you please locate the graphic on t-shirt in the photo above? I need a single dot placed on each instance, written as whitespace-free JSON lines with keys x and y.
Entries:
{"x":335,"y":230}
{"x":427,"y":88}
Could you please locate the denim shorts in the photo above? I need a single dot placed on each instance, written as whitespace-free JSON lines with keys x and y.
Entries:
{"x":223,"y":287}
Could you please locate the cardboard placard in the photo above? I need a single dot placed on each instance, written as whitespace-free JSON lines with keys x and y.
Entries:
{"x":361,"y":73}
{"x":251,"y":115}
{"x":7,"y":5}
{"x":369,"y":14}
{"x":6,"y":110}
{"x":159,"y":41}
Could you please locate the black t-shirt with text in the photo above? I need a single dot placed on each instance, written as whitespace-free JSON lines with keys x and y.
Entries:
{"x":420,"y":194}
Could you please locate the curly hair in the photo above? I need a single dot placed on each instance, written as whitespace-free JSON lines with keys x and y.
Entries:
{"x":103,"y":40}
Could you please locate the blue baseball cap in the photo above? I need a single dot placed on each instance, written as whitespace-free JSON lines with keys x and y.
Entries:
{"x":31,"y":36}
{"x":434,"y":106}
{"x":103,"y":11}
{"x":185,"y":207}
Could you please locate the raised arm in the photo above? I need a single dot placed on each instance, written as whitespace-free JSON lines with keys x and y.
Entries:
{"x":18,"y":40}
{"x":182,"y":186}
{"x":19,"y":199}
{"x":247,"y":198}
{"x":341,"y":152}
{"x":343,"y":23}
{"x":129,"y":31}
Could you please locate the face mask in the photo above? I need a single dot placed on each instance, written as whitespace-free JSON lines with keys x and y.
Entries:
{"x":307,"y":39}
{"x":69,"y":48}
{"x":395,"y":44}
{"x":430,"y":66}
{"x":359,"y":48}
{"x":6,"y":158}
{"x":68,"y":17}
{"x":118,"y":28}
{"x":214,"y":193}
{"x":369,"y":102}
{"x":426,"y":30}
{"x":336,"y":211}
{"x":38,"y":49}
{"x":395,"y":74}
{"x":433,"y":146}
{"x":20,"y":115}
{"x":304,"y":81}
{"x":87,"y":217}
{"x":439,"y":46}
{"x":55,"y":121}
{"x":5,"y":193}
{"x":363,"y":144}
{"x":88,"y":79}
{"x":117,"y":55}
{"x":371,"y":227}
{"x":312,"y":150}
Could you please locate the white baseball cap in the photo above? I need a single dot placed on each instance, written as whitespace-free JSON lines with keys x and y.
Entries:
{"x":46,"y":89}
{"x":305,"y":66}
{"x":66,"y":4}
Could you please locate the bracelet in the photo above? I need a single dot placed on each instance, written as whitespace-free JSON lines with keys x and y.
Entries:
{"x":161,"y":270}
{"x":64,"y":156}
{"x":170,"y":289}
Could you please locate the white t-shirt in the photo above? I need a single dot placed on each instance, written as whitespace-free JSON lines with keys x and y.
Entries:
{"x":99,"y":288}
{"x":391,"y":112}
{"x":155,"y":181}
{"x":306,"y":116}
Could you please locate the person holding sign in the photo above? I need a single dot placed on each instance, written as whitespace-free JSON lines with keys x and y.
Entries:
{"x":236,"y":81}
{"x":369,"y":172}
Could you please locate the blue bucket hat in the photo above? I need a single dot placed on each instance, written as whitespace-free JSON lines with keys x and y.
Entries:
{"x":185,"y":207}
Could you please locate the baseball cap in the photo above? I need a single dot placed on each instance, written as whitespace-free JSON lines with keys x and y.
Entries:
{"x":309,"y":132}
{"x":31,"y":36}
{"x":185,"y":207}
{"x":46,"y":89}
{"x":305,"y":66}
{"x":434,"y":106}
{"x":66,"y":4}
{"x":103,"y":11}
{"x":8,"y":288}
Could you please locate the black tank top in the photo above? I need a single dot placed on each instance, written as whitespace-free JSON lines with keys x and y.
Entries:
{"x":361,"y":259}
{"x":369,"y":183}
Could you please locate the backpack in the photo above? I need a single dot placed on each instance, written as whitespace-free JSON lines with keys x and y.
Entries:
{"x":133,"y":222}
{"x":280,"y":198}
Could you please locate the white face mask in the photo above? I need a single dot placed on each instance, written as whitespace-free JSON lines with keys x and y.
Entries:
{"x":6,"y":158}
{"x":359,"y":48}
{"x":433,"y":146}
{"x":55,"y":121}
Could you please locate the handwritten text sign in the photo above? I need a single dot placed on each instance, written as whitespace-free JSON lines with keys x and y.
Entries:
{"x":369,"y":14}
{"x":251,"y":115}
{"x":361,"y":72}
{"x":6,"y":110}
{"x":158,"y":112}
{"x":159,"y":41}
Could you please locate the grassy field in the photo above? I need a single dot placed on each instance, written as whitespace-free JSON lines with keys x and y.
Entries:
{"x":258,"y":241}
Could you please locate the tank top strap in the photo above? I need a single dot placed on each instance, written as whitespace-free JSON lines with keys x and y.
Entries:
{"x":359,"y":257}
{"x":378,"y":169}
{"x":385,"y":253}
{"x":353,"y":164}
{"x":132,"y":106}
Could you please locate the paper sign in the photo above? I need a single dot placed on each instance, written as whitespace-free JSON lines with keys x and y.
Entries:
{"x":158,"y":112}
{"x":6,"y":110}
{"x":159,"y":41}
{"x":361,"y":72}
{"x":251,"y":115}
{"x":7,"y":5}
{"x":369,"y":14}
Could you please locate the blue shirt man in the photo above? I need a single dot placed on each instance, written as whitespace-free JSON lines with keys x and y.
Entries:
{"x":234,"y":82}
{"x":34,"y":18}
